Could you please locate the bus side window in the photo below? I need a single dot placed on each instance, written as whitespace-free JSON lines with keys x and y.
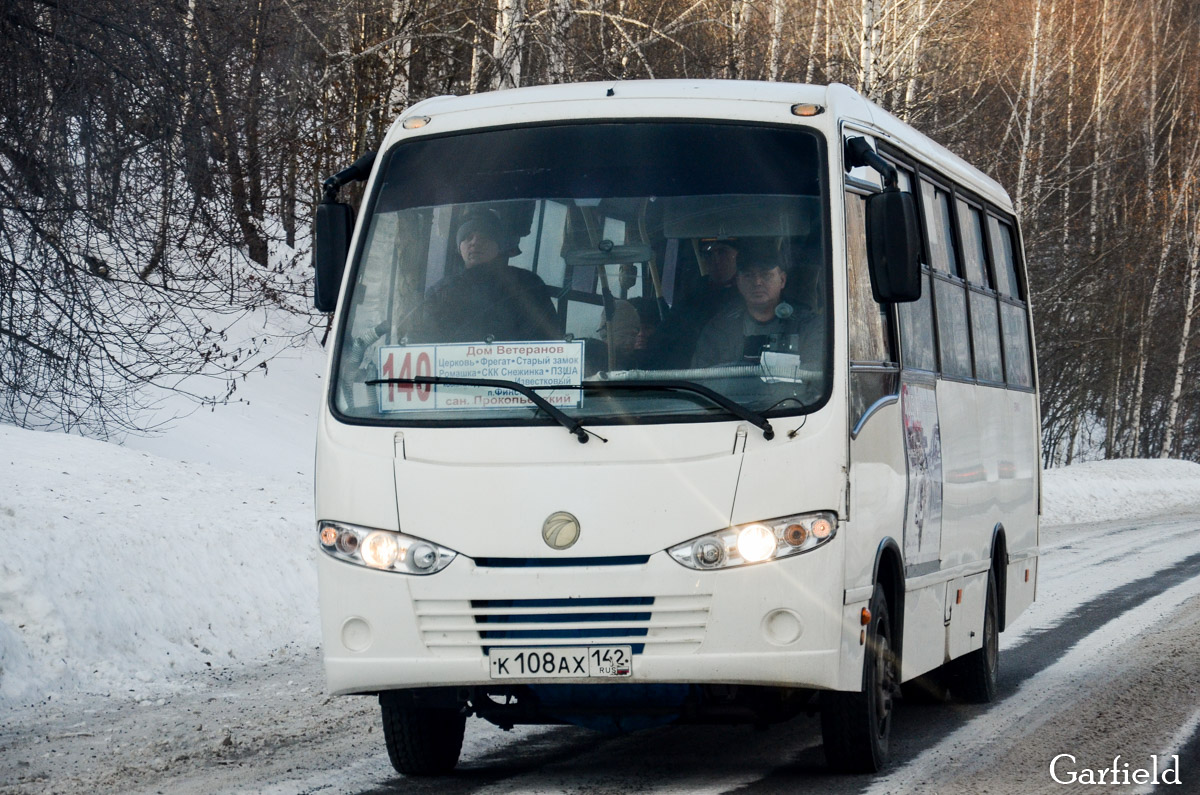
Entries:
{"x":985,"y":318}
{"x":916,"y":331}
{"x":950,"y":298}
{"x":1016,"y":344}
{"x":953,"y":339}
{"x":868,"y":320}
{"x":873,"y":372}
{"x":939,"y":233}
{"x":985,"y":336}
{"x":916,"y":318}
{"x":970,"y":226}
{"x":1003,"y":261}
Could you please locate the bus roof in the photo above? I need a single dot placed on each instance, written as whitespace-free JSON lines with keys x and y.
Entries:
{"x":733,"y":99}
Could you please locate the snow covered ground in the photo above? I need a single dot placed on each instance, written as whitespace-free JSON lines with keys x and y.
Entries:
{"x":127,"y":564}
{"x":126,"y":567}
{"x":1125,"y":489}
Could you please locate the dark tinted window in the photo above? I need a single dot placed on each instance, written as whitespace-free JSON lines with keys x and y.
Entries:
{"x":582,"y":161}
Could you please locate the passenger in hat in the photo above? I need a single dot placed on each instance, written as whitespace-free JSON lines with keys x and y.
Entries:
{"x":481,"y":239}
{"x":674,"y":341}
{"x":489,"y":299}
{"x":740,"y":332}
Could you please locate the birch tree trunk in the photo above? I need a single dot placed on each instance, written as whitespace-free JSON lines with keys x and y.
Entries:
{"x":1099,"y":113}
{"x":561,"y":17}
{"x":776,"y":41}
{"x":1185,"y":334}
{"x":1031,"y":100}
{"x":817,"y":24}
{"x":914,"y":64}
{"x":868,"y":45}
{"x":396,"y":59}
{"x":737,"y":39}
{"x":509,"y":44}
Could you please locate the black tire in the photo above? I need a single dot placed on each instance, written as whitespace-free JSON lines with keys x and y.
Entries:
{"x":974,"y":674}
{"x":421,"y":741}
{"x":856,"y":726}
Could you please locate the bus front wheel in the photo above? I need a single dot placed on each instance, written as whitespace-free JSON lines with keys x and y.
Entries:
{"x":855,"y":726}
{"x":421,"y":741}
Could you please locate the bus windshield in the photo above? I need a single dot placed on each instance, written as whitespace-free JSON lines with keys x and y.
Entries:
{"x":568,"y":257}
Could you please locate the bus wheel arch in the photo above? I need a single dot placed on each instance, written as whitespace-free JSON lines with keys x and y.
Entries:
{"x":1000,"y":571}
{"x":889,"y":573}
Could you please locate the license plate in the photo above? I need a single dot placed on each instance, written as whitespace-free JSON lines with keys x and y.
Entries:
{"x":576,"y":662}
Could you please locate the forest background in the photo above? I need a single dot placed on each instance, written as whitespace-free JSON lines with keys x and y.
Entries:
{"x":160,"y":161}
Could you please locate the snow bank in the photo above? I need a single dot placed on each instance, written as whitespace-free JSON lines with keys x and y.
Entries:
{"x":1122,"y":489}
{"x":121,"y":568}
{"x":269,"y":423}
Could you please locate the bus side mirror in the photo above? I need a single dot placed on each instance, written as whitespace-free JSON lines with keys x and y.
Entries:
{"x":893,"y":246}
{"x":331,"y":230}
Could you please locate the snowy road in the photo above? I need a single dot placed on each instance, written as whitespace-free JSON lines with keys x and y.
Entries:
{"x":1105,"y":663}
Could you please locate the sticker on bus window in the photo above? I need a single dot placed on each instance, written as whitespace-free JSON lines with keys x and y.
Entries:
{"x":538,"y":364}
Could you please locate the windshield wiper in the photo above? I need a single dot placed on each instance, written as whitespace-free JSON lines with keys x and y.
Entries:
{"x":730,"y":405}
{"x":572,"y":425}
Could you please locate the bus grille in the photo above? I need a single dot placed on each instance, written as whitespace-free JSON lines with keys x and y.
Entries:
{"x":650,"y":624}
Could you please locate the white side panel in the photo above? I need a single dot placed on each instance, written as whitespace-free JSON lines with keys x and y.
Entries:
{"x":924,"y":631}
{"x":1020,"y":591}
{"x":1020,"y":520}
{"x":965,"y":632}
{"x":967,"y":498}
{"x":877,"y":492}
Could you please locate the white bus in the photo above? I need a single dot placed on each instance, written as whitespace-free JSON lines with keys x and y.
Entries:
{"x":670,"y":401}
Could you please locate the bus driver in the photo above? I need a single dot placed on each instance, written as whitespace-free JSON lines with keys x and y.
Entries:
{"x":489,"y":299}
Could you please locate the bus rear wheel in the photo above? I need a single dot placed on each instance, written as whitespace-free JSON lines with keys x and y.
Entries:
{"x":421,"y":741}
{"x":855,"y":726}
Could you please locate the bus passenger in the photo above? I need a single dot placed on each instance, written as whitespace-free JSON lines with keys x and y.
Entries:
{"x":738,"y":333}
{"x":488,"y":299}
{"x":674,"y":341}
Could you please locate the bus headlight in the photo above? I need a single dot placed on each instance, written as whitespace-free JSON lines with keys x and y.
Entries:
{"x":382,"y":549}
{"x":757,"y":542}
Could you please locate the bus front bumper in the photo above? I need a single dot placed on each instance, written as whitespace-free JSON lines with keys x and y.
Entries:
{"x":781,"y":623}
